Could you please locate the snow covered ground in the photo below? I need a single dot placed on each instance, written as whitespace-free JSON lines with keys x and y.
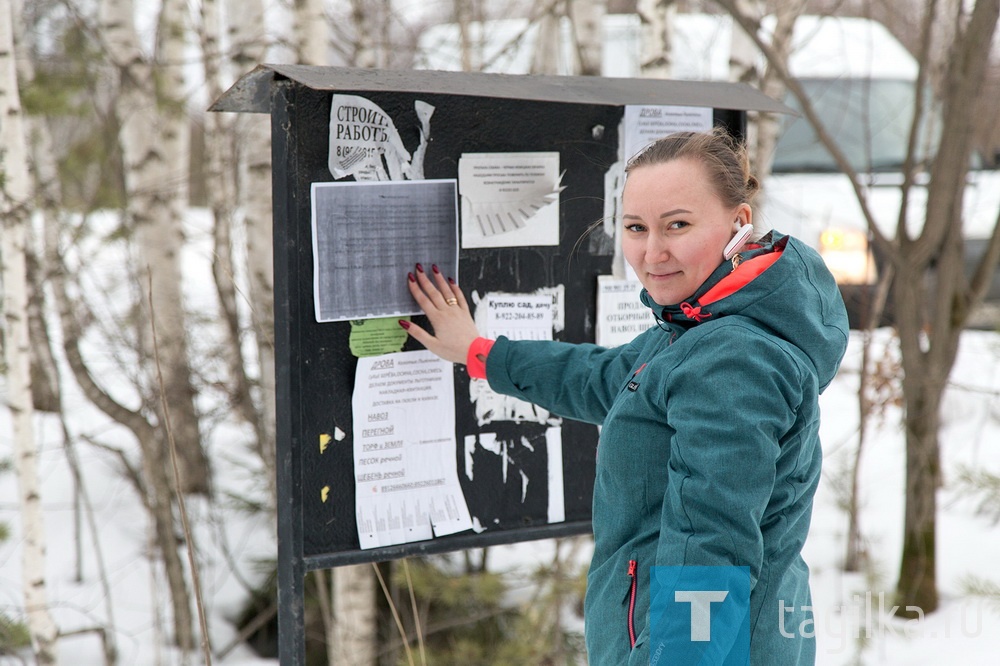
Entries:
{"x":964,"y":630}
{"x":232,"y":542}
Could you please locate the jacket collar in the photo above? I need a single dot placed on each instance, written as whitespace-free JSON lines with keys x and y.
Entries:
{"x":726,"y":280}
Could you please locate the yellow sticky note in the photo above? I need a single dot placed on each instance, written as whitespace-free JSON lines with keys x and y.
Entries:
{"x":323,"y":494}
{"x":324,"y":441}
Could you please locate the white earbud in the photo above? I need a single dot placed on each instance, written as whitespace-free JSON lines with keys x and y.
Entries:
{"x":738,"y":240}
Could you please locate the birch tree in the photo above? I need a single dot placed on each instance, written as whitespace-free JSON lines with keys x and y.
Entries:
{"x":253,"y":136}
{"x":587,"y":19}
{"x":248,"y":392}
{"x":154,"y":142}
{"x":365,"y":19}
{"x":771,"y":84}
{"x":352,"y":634}
{"x":153,"y":145}
{"x":656,"y":17}
{"x":15,"y":213}
{"x":745,"y":67}
{"x":471,"y":56}
{"x":46,"y":197}
{"x":312,"y":35}
{"x":548,"y":45}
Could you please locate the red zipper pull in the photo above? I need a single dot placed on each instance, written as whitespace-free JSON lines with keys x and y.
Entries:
{"x":631,"y":567}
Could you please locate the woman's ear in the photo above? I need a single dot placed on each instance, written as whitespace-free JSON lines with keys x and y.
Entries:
{"x":744,"y":214}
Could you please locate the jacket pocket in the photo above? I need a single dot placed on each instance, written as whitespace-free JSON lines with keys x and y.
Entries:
{"x":633,"y":584}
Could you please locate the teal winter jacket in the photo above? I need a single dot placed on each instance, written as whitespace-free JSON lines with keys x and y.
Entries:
{"x":709,"y":452}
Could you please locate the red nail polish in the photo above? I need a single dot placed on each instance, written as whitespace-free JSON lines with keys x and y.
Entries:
{"x":410,"y":276}
{"x":434,"y":267}
{"x":451,"y":280}
{"x":405,"y":324}
{"x":420,"y":269}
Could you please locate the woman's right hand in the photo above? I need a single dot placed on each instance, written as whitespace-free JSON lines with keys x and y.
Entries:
{"x":445,"y":306}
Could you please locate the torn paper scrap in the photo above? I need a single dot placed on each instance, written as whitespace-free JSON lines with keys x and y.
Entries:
{"x":424,"y":112}
{"x":524,"y":465}
{"x":531,"y":316}
{"x":362,"y":135}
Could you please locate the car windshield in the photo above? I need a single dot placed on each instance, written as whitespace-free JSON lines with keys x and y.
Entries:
{"x":868,"y":118}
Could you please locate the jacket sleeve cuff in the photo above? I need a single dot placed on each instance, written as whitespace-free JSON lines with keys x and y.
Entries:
{"x":475,"y":360}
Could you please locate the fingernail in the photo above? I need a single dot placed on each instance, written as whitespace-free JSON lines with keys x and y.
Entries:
{"x":405,"y":324}
{"x":451,"y":280}
{"x":434,"y":267}
{"x":410,"y":275}
{"x":420,"y":269}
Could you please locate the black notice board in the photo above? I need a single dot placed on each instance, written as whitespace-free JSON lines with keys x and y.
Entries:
{"x":316,"y":369}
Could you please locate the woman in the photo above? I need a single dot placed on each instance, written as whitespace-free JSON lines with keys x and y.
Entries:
{"x":709,"y":452}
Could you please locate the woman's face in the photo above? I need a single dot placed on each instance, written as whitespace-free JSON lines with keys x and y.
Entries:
{"x":675,"y":227}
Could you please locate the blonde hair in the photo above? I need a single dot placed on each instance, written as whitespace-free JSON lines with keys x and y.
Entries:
{"x":724,"y":159}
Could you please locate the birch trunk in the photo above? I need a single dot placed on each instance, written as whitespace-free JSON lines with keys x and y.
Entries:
{"x":548,"y":45}
{"x":657,"y":37}
{"x":352,"y":637}
{"x":587,"y":18}
{"x":44,"y":186}
{"x":743,"y":68}
{"x":158,"y":204}
{"x":254,"y":189}
{"x":470,"y":54}
{"x":366,"y":25}
{"x":311,"y":31}
{"x":14,"y":211}
{"x":771,"y":84}
{"x":152,"y":146}
{"x":221,"y":172}
{"x":154,"y":141}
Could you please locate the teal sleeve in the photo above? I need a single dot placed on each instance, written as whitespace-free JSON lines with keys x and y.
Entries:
{"x":576,"y":381}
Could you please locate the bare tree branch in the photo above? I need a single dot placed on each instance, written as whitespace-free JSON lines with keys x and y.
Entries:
{"x":752,"y":27}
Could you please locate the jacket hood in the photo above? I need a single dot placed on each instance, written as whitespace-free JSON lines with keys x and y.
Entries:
{"x":782,"y":284}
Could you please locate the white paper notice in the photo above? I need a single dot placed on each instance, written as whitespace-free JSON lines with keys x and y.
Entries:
{"x":647,"y":123}
{"x":367,"y":236}
{"x":620,"y":314}
{"x":406,"y":481}
{"x":509,"y":199}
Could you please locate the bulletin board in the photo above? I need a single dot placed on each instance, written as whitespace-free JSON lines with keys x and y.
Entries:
{"x":521,"y":473}
{"x":506,"y":470}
